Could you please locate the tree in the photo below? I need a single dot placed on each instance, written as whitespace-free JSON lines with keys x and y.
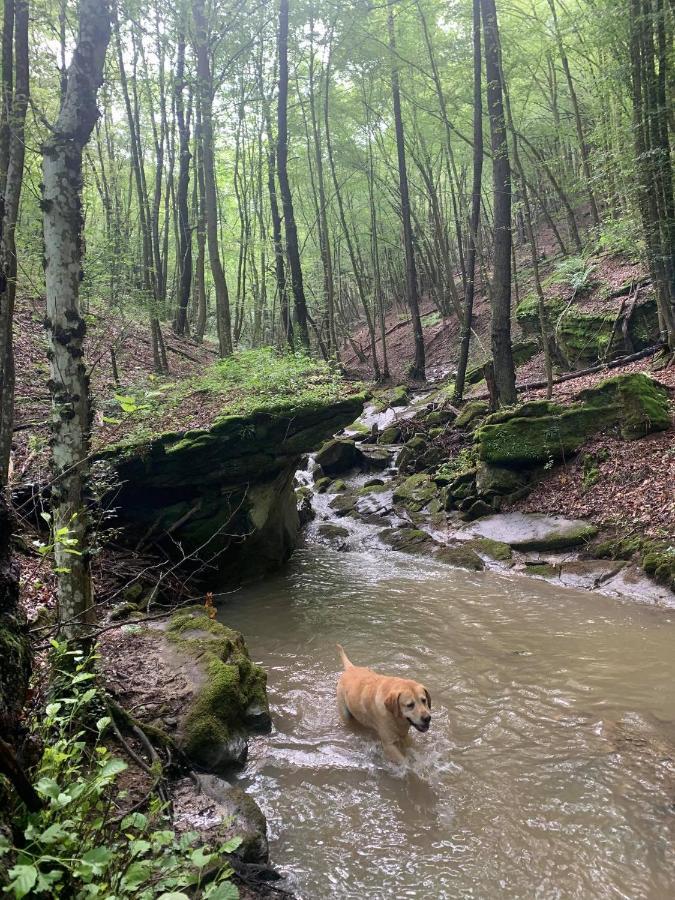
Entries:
{"x":417,"y":369}
{"x":474,"y":224}
{"x":504,"y":371}
{"x":292,"y":247}
{"x":69,"y":382}
{"x":205,"y":90}
{"x":12,"y":153}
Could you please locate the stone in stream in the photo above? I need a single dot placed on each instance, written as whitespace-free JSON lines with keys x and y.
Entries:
{"x":534,"y":531}
{"x":390,"y":435}
{"x":343,"y":504}
{"x":408,"y":540}
{"x":460,"y":556}
{"x":375,"y":458}
{"x":415,"y":492}
{"x":338,"y":456}
{"x":218,"y":811}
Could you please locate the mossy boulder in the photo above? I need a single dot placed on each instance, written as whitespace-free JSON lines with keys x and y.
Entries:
{"x":415,"y":492}
{"x":497,"y":480}
{"x":461,"y":556}
{"x":228,"y":690}
{"x":581,"y":336}
{"x":224,"y":494}
{"x":534,"y":531}
{"x":475,"y":509}
{"x":497,"y":550}
{"x":636,"y":404}
{"x":343,"y":504}
{"x":337,"y":456}
{"x":390,"y":435}
{"x":375,"y":459}
{"x":334,"y":535}
{"x":408,"y":540}
{"x":471,"y":413}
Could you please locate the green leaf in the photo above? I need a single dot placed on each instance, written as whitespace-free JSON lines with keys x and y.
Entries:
{"x":201,"y":858}
{"x":231,"y":845}
{"x":83,"y":676}
{"x":48,"y":788}
{"x":223,"y":891}
{"x":134,"y":820}
{"x":173,"y":895}
{"x":101,"y":725}
{"x":139,"y":847}
{"x":23,"y":880}
{"x":137,"y":873}
{"x":98,"y":858}
{"x":55,"y":832}
{"x":112,"y":767}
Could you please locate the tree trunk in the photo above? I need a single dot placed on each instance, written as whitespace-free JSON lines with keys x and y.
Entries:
{"x":474,"y":224}
{"x":9,"y":211}
{"x":505,"y":377}
{"x":69,"y":383}
{"x":182,"y":192}
{"x":292,"y":248}
{"x":417,"y":369}
{"x":205,"y":88}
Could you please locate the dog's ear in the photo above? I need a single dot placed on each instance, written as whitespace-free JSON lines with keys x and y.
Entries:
{"x":428,"y":698}
{"x":391,"y":701}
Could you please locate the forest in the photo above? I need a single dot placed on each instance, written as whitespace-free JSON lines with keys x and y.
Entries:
{"x":311,"y":307}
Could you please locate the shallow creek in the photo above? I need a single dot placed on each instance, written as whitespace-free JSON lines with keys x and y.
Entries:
{"x":546,"y":772}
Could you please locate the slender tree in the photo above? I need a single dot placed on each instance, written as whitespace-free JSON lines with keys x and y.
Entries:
{"x":417,"y":369}
{"x":69,"y":383}
{"x":11,"y":181}
{"x":504,"y":371}
{"x":292,"y":246}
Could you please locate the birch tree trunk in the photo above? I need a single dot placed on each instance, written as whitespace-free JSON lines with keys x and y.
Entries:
{"x":69,"y":382}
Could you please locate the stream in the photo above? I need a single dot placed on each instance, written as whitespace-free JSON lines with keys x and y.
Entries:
{"x":548,"y":770}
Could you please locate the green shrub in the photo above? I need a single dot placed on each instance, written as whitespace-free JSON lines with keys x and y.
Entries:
{"x":74,"y":847}
{"x":621,"y":236}
{"x":576,"y":273}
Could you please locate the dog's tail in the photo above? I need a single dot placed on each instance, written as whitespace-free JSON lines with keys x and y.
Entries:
{"x":345,"y":659}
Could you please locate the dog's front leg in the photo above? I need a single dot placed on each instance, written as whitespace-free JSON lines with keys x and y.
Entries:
{"x":392,"y":752}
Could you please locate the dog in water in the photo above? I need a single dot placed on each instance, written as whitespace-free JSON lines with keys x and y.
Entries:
{"x":385,"y":704}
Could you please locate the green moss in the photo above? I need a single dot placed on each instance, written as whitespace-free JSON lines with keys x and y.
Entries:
{"x":231,"y":683}
{"x":473,"y":410}
{"x":657,"y":557}
{"x":461,"y":557}
{"x":544,"y":570}
{"x":521,"y":437}
{"x":494,"y":549}
{"x":415,"y":492}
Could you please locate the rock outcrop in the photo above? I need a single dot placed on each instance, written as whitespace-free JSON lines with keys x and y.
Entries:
{"x":222,"y":495}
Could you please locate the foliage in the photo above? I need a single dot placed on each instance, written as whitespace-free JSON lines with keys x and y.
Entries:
{"x":576,"y":273}
{"x":621,"y":236}
{"x":73,"y":847}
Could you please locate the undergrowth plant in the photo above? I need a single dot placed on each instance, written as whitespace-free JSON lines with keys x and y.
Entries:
{"x":575,"y":272}
{"x":77,"y":846}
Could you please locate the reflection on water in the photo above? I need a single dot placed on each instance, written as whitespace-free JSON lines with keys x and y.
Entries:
{"x":546,"y":772}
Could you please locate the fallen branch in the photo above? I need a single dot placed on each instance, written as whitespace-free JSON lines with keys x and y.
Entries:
{"x":571,"y":376}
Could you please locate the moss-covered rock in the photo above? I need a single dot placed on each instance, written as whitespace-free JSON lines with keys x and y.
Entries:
{"x":224,"y":493}
{"x":375,"y":459}
{"x":228,"y":690}
{"x":471,"y":413}
{"x":337,"y":456}
{"x":461,"y":556}
{"x":494,"y":549}
{"x":656,"y":557}
{"x":408,"y":540}
{"x":541,"y":569}
{"x":390,"y":435}
{"x":343,"y":504}
{"x":497,"y":480}
{"x":473,"y":509}
{"x":522,"y":438}
{"x":415,"y":492}
{"x":581,"y":337}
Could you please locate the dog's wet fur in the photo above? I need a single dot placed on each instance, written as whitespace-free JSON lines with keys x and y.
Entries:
{"x":388,"y":705}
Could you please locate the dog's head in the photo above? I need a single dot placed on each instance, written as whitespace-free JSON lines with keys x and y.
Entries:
{"x":411,"y":701}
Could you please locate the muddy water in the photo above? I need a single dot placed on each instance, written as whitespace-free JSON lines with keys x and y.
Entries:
{"x":545,"y":773}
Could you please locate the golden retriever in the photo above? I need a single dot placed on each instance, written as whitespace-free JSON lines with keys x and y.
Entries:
{"x":385,"y":704}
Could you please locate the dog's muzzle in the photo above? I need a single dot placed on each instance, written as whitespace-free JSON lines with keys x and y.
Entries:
{"x":422,"y":726}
